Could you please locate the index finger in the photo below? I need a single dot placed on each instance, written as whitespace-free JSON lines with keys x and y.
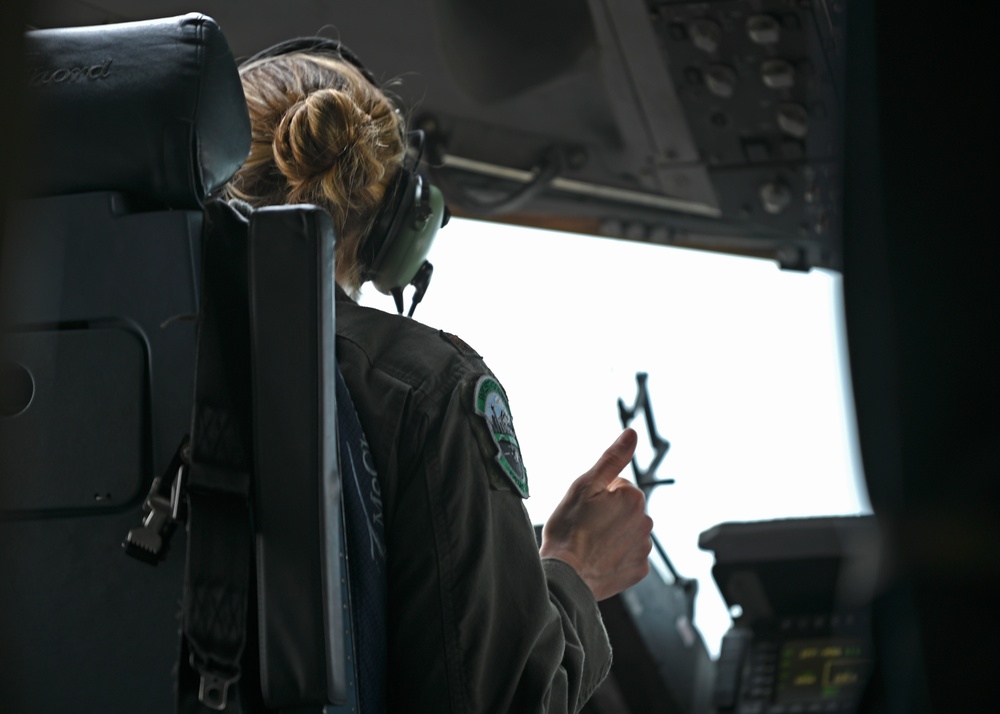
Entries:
{"x":614,"y":459}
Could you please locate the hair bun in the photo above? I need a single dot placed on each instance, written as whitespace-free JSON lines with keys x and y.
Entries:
{"x":329,"y":139}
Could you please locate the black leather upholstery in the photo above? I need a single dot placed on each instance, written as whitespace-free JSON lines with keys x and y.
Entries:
{"x":98,"y":293}
{"x":100,"y":289}
{"x":156,"y":108}
{"x":297,"y":500}
{"x":94,"y":295}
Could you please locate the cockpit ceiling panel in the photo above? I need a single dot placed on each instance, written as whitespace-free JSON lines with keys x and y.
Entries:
{"x":710,"y":125}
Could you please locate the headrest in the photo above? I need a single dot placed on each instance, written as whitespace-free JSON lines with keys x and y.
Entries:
{"x":153,"y":108}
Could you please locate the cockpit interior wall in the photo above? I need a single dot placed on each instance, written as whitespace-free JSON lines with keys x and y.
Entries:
{"x":12,"y":124}
{"x":497,"y":50}
{"x":13,"y":119}
{"x":921,"y":303}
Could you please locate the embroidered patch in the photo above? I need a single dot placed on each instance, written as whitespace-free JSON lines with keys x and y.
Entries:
{"x":491,"y":404}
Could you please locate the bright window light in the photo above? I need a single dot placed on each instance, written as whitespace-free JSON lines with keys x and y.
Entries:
{"x":747,"y":365}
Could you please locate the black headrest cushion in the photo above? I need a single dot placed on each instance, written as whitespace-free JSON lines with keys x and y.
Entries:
{"x":153,"y":108}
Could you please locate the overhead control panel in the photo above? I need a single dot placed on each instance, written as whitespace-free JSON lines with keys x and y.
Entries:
{"x":757,"y":85}
{"x":711,"y":125}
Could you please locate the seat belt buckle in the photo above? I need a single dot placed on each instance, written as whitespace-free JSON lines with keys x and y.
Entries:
{"x":213,"y":691}
{"x":163,"y":509}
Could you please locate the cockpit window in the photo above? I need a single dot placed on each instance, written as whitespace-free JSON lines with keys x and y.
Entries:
{"x":747,"y":365}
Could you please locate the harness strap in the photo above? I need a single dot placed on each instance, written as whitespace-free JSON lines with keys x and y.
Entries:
{"x":220,"y":533}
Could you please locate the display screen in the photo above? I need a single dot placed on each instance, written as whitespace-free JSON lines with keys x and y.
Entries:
{"x":821,"y":669}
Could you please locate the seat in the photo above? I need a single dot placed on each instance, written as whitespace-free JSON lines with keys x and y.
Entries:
{"x":138,"y":125}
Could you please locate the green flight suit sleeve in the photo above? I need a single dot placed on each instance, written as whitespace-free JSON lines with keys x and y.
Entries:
{"x":518,"y":634}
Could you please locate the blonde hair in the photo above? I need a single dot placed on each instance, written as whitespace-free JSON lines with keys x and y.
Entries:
{"x":320,"y":133}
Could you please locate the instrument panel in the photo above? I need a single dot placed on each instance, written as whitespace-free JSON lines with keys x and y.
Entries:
{"x":807,"y":665}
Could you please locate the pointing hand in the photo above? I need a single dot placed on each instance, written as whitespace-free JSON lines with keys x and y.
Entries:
{"x":600,"y":527}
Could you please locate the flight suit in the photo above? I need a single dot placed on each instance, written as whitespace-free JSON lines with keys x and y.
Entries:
{"x":477,"y":621}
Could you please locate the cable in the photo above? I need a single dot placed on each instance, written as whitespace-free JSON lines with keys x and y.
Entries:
{"x":550,"y":168}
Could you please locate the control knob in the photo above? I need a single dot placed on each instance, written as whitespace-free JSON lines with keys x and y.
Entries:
{"x":763,"y":29}
{"x":792,"y":119}
{"x":705,"y":34}
{"x":720,"y":80}
{"x":777,"y":74}
{"x":775,"y":196}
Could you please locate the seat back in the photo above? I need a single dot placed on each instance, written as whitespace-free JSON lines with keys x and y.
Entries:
{"x":106,"y":279}
{"x":135,"y":125}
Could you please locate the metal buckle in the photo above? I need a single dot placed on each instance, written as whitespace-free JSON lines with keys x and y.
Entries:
{"x":213,"y":691}
{"x":164,"y":510}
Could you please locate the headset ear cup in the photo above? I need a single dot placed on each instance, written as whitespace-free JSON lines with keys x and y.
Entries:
{"x":379,"y":241}
{"x":411,"y":223}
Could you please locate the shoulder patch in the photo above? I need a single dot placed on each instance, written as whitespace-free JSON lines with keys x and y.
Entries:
{"x":458,"y":343}
{"x":491,"y":405}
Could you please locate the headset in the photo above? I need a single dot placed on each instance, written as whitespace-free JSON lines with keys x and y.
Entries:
{"x":394,"y":252}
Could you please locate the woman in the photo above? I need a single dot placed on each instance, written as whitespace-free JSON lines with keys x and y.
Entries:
{"x":479,"y":620}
